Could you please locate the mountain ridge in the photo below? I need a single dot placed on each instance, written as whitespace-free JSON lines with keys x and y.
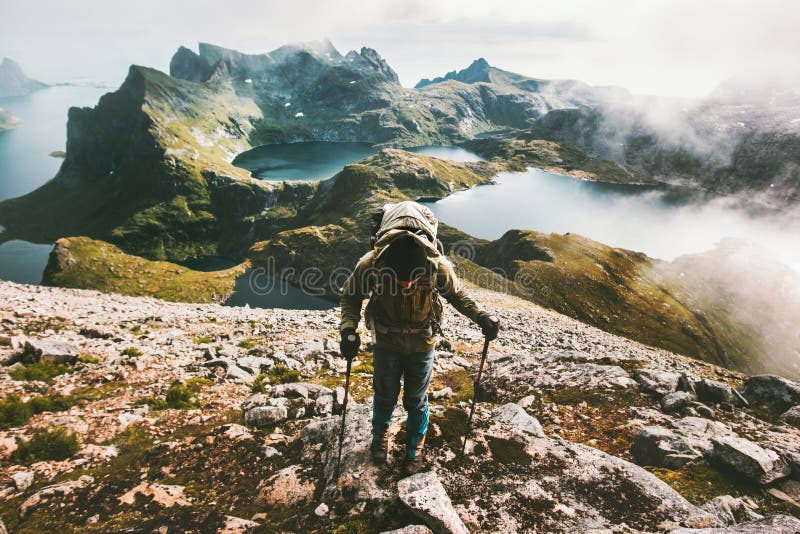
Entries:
{"x":14,"y":82}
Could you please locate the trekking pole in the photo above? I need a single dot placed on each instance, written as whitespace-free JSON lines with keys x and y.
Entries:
{"x":474,"y":395}
{"x":344,"y":409}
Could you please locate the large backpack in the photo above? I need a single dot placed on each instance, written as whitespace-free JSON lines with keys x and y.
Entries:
{"x":423,"y":311}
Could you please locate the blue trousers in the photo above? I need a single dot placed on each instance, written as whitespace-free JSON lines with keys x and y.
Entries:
{"x":415,"y":369}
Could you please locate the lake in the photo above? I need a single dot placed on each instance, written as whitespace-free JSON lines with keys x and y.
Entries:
{"x":320,"y":160}
{"x":648,"y":220}
{"x":257,"y":290}
{"x":25,"y":164}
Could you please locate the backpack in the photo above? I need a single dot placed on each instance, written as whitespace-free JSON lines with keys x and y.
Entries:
{"x":421,"y":313}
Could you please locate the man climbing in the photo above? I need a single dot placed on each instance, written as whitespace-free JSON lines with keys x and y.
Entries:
{"x":403,"y":275}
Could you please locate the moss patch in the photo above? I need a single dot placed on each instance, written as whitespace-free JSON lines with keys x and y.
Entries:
{"x":40,"y":371}
{"x":85,"y":263}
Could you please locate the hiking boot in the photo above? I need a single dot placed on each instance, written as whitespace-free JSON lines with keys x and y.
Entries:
{"x":379,"y":448}
{"x":414,"y":465}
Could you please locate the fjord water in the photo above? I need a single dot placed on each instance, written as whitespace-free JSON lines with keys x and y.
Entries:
{"x":317,"y":160}
{"x":648,"y":220}
{"x":25,"y":164}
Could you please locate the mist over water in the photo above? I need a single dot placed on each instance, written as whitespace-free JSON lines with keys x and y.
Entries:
{"x":646,"y":220}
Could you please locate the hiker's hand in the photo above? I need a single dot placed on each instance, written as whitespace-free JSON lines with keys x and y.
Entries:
{"x":350,"y":343}
{"x":490,"y":325}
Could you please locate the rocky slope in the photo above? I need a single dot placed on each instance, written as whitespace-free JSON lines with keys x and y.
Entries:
{"x":170,"y":433}
{"x":13,"y":81}
{"x":7,"y":120}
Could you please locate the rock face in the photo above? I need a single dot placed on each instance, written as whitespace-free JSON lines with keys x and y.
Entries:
{"x":13,"y":81}
{"x":750,"y":460}
{"x":425,"y":496}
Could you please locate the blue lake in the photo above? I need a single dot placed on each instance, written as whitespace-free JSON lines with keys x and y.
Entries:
{"x":319,"y":160}
{"x":25,"y":163}
{"x":649,"y":220}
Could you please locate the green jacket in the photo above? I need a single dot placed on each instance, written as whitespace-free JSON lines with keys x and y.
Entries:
{"x":392,"y":308}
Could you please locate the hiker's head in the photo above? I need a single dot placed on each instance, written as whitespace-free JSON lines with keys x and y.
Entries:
{"x":407,"y":259}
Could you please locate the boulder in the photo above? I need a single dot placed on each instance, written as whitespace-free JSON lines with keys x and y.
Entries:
{"x":774,"y":392}
{"x":676,"y":401}
{"x":686,"y":383}
{"x":425,"y":496}
{"x":263,"y":416}
{"x":22,"y":480}
{"x":514,"y":415}
{"x":731,"y":510}
{"x":296,"y":390}
{"x":792,"y":416}
{"x":714,"y":391}
{"x":254,"y":364}
{"x":661,"y":447}
{"x":358,"y":478}
{"x":286,"y":488}
{"x":656,"y":382}
{"x":50,"y":351}
{"x":775,"y":524}
{"x":749,"y":459}
{"x":237,"y":374}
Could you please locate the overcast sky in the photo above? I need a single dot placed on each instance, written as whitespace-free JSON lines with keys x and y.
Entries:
{"x":678,"y":47}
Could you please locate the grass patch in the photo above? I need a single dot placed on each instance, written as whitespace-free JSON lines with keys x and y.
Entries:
{"x":462,"y":384}
{"x":39,"y":371}
{"x":203,"y":340}
{"x":364,"y":368}
{"x":280,"y":374}
{"x":178,"y":397}
{"x":85,"y":358}
{"x":247,"y":344}
{"x":15,"y":412}
{"x":131,"y":352}
{"x":197,"y":383}
{"x":54,"y":445}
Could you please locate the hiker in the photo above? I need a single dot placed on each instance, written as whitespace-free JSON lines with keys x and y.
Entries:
{"x":403,"y":275}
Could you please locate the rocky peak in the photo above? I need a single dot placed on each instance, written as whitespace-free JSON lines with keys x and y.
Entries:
{"x":478,"y":71}
{"x":378,"y":63}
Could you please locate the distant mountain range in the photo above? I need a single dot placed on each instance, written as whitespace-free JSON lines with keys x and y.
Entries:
{"x":14,"y":82}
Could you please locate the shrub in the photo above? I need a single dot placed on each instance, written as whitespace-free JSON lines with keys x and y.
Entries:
{"x":40,"y":371}
{"x":195,"y":384}
{"x":280,"y":374}
{"x":131,"y":352}
{"x":57,"y":444}
{"x":179,"y":397}
{"x":203,"y":340}
{"x":260,"y":383}
{"x":247,"y":343}
{"x":85,"y":358}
